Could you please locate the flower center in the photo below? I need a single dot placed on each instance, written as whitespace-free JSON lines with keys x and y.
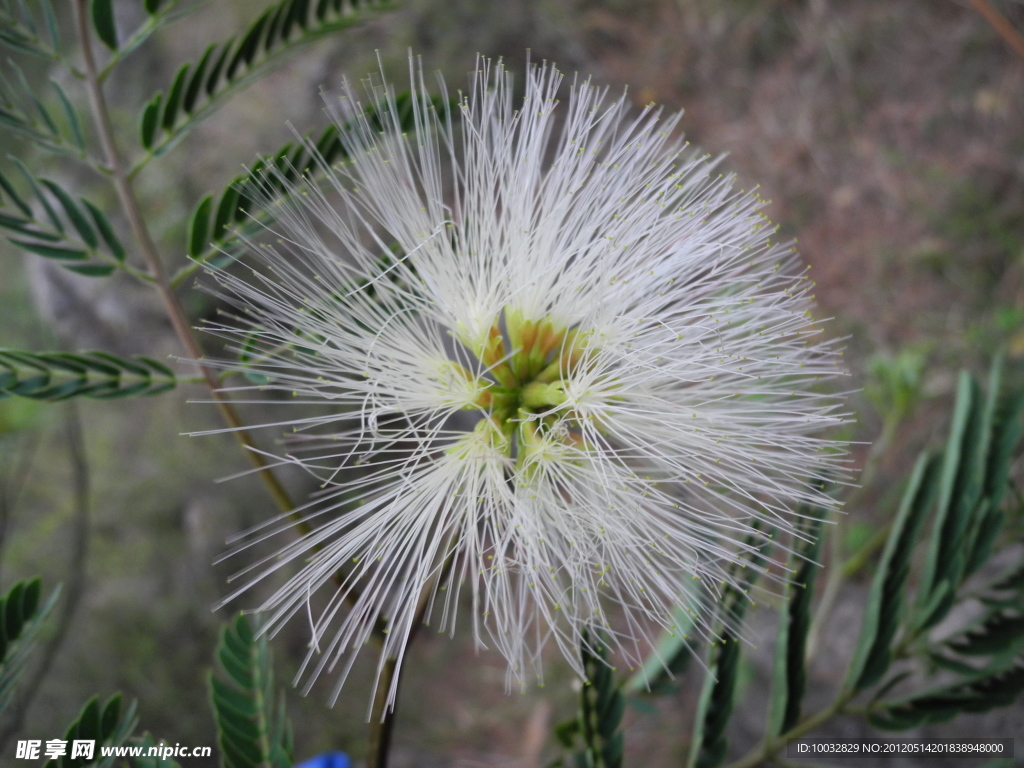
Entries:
{"x":526,"y":398}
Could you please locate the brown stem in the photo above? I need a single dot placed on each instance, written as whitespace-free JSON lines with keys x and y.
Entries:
{"x":382,"y":717}
{"x":172,"y":306}
{"x":1001,"y":25}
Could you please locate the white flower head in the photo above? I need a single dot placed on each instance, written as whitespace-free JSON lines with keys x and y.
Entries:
{"x":568,"y":372}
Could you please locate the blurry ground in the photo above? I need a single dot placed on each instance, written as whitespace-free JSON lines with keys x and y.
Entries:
{"x":889,"y":135}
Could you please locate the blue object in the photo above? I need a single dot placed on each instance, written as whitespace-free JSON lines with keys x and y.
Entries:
{"x":327,"y":760}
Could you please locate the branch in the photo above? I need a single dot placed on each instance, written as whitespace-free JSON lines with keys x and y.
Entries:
{"x":172,"y":306}
{"x":1000,"y":24}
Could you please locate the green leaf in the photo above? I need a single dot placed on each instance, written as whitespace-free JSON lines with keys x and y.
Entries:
{"x":14,"y":617}
{"x":234,"y":65}
{"x":601,"y":707}
{"x":227,"y":697}
{"x":1000,"y":631}
{"x":160,"y":368}
{"x":22,"y":617}
{"x":790,"y":674}
{"x":881,"y":617}
{"x":195,"y":84}
{"x":247,"y":48}
{"x":110,"y":239}
{"x":103,"y":21}
{"x":294,"y":12}
{"x":567,"y":732}
{"x":983,"y":693}
{"x":214,"y":79}
{"x":74,"y":214}
{"x":61,"y":252}
{"x":670,"y":658}
{"x":226,"y":210}
{"x":106,"y":724}
{"x":236,"y":667}
{"x":51,"y":214}
{"x":983,"y":539}
{"x":1006,"y":435}
{"x":89,"y":720}
{"x":147,"y":742}
{"x":715,"y":704}
{"x":19,"y":42}
{"x":199,"y":227}
{"x":250,"y":731}
{"x":97,"y":375}
{"x":1011,"y":580}
{"x":51,"y":24}
{"x":150,"y":120}
{"x":270,"y":39}
{"x":14,"y":196}
{"x":152,"y":6}
{"x":960,"y":487}
{"x":29,"y":93}
{"x":93,"y":270}
{"x":111,"y":716}
{"x":174,"y":97}
{"x":69,"y":113}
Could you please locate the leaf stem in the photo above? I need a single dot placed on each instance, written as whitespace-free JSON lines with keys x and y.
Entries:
{"x":172,"y":306}
{"x":769,"y":747}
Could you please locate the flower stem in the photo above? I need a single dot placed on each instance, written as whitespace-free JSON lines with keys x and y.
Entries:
{"x":382,"y":717}
{"x":130,"y":206}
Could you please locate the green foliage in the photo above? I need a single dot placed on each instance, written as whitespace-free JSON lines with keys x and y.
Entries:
{"x":17,"y":608}
{"x":22,"y":616}
{"x":103,"y":22}
{"x":885,"y":601}
{"x":985,"y":656}
{"x":147,"y":742}
{"x":894,"y":384}
{"x":98,"y":375}
{"x":958,"y":498}
{"x":30,"y":29}
{"x":108,"y":724}
{"x":94,"y":250}
{"x":790,"y":675}
{"x":981,"y":692}
{"x":226,"y":67}
{"x":670,"y":659}
{"x":26,"y":114}
{"x":715,"y":705}
{"x":252,"y":731}
{"x":600,"y":714}
{"x":217,"y":220}
{"x":974,"y":465}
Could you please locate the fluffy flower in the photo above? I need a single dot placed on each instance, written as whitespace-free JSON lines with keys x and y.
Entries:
{"x":567,"y":371}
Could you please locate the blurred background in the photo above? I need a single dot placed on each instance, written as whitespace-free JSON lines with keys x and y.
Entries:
{"x":889,"y":136}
